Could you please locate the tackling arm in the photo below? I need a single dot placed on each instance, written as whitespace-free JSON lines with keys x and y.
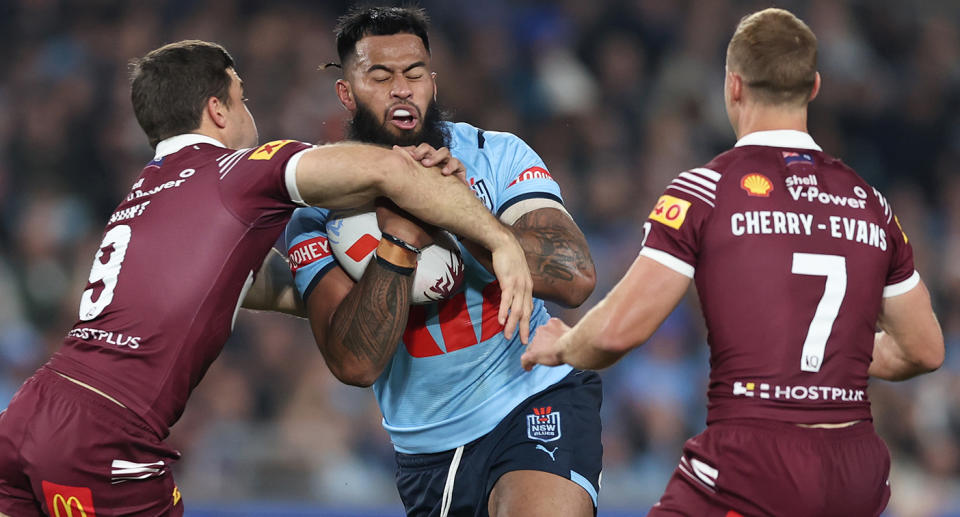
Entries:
{"x":910,"y":342}
{"x":622,"y":321}
{"x":273,"y":289}
{"x":350,"y":174}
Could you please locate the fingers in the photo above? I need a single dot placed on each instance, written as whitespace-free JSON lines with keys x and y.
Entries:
{"x":516,"y":306}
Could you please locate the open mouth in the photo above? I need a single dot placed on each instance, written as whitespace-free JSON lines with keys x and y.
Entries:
{"x":404,"y":118}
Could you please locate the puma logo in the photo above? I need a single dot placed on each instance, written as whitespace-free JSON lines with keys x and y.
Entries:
{"x":549,"y":452}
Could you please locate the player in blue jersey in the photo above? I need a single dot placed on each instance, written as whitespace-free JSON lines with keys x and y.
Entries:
{"x":474,"y":434}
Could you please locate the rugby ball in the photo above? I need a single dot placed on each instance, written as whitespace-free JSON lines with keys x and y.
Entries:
{"x":354,"y":236}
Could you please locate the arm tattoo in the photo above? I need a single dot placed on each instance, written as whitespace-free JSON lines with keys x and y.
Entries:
{"x":556,"y":250}
{"x":371,"y":319}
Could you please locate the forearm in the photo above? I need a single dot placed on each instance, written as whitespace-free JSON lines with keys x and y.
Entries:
{"x":367,"y":325}
{"x":274,"y":289}
{"x":890,"y":363}
{"x":582,"y":347}
{"x":447,"y":202}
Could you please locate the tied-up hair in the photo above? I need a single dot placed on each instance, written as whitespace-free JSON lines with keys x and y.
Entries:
{"x":170,"y":86}
{"x":776,"y":55}
{"x":361,"y":22}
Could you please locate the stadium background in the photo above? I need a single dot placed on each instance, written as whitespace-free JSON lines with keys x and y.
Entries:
{"x":617,"y":97}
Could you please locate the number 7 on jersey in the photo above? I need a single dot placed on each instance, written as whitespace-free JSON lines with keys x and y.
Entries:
{"x":834,"y":267}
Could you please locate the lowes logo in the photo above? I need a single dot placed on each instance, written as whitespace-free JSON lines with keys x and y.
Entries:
{"x":543,"y":424}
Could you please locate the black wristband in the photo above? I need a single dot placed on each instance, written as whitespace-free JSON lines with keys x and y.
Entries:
{"x":390,"y":266}
{"x":400,"y":242}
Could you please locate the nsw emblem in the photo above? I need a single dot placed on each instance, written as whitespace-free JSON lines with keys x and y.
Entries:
{"x":543,"y":424}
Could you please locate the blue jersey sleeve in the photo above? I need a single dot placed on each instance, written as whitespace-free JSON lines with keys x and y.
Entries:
{"x":521,"y":174}
{"x":308,"y":248}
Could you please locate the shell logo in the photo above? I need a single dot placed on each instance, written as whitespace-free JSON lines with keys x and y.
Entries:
{"x":756,"y":185}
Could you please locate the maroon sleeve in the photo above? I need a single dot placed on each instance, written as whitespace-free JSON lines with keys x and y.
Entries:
{"x":672,"y":231}
{"x":902,"y":276}
{"x":253,"y":182}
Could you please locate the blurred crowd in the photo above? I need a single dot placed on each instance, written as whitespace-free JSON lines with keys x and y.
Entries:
{"x":617,"y":96}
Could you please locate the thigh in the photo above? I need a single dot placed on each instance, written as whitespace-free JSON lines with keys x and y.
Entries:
{"x":535,"y":493}
{"x":683,"y":498}
{"x":547,"y":454}
{"x":105,"y":461}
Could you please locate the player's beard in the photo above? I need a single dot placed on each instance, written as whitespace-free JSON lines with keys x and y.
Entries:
{"x":365,"y":127}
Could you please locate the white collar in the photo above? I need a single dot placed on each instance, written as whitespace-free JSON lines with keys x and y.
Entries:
{"x":176,"y":143}
{"x":789,"y":138}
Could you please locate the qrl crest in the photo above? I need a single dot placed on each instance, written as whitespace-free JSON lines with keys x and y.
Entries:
{"x":543,"y":424}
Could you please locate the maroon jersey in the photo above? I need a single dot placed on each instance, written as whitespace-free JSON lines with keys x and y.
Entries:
{"x":176,"y":259}
{"x":792,"y":253}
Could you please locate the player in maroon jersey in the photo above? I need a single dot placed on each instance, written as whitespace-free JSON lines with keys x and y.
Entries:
{"x":797,"y":261}
{"x":85,"y":434}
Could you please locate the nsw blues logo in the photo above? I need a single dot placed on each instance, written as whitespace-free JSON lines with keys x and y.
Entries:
{"x":543,"y":424}
{"x":480,"y":189}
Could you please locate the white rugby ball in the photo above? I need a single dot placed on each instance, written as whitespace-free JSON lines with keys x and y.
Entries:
{"x":354,"y":236}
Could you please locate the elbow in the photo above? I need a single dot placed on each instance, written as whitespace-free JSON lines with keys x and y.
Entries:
{"x":579,"y":290}
{"x":354,"y":376}
{"x":933,"y":359}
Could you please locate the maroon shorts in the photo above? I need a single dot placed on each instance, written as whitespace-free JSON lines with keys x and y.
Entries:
{"x":764,"y":468}
{"x":68,"y":451}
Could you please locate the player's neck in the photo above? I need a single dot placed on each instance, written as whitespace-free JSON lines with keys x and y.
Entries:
{"x":764,"y":118}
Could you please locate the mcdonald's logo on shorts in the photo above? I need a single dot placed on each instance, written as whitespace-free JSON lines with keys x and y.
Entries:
{"x":68,"y":501}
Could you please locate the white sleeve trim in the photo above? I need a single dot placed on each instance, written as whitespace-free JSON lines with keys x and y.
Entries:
{"x":902,"y":287}
{"x":290,"y":178}
{"x":668,"y":260}
{"x":519,"y":209}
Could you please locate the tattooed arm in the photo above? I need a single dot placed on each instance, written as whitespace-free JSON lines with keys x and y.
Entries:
{"x":357,"y":325}
{"x":557,"y":253}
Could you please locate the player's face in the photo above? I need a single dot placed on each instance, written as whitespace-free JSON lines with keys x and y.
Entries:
{"x":241,"y":128}
{"x":389,"y":79}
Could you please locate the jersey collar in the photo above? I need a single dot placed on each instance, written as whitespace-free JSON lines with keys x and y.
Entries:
{"x":789,"y":138}
{"x":176,"y":143}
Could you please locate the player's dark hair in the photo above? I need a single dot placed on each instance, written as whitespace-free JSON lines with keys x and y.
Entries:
{"x":170,"y":86}
{"x":776,"y":54}
{"x":360,"y":22}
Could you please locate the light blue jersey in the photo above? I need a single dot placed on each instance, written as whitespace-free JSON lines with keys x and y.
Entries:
{"x":455,"y":376}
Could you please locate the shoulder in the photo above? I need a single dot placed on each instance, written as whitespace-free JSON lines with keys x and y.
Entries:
{"x":466,"y":136}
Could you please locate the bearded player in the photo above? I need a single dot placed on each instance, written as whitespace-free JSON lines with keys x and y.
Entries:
{"x":85,"y":435}
{"x":797,"y":260}
{"x":473,"y":432}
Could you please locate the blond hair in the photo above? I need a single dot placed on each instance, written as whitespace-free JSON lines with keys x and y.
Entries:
{"x":776,"y":55}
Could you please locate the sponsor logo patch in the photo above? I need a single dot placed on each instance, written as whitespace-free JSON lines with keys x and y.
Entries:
{"x":68,"y":501}
{"x":308,"y":252}
{"x":756,"y":185}
{"x":670,"y":211}
{"x":267,"y":150}
{"x":533,"y":173}
{"x":543,"y":424}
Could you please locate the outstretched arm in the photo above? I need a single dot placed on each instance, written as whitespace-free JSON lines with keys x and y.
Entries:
{"x":910,"y":341}
{"x":350,"y":174}
{"x":622,"y":321}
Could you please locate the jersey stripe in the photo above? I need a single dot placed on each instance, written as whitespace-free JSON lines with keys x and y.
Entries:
{"x":714,"y":175}
{"x":668,"y":260}
{"x":902,"y":287}
{"x":702,"y":190}
{"x":692,"y":193}
{"x":712,"y":185}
